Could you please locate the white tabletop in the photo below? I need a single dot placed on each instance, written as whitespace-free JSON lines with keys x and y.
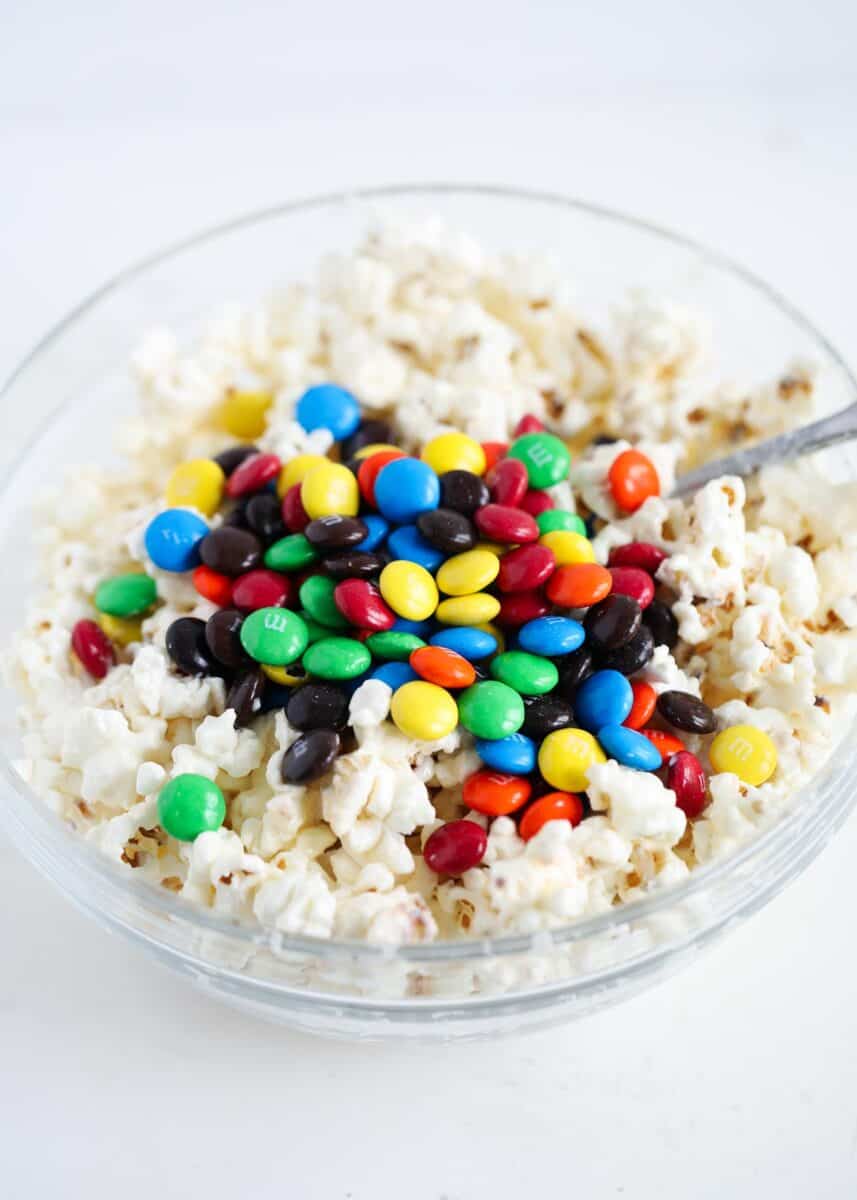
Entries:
{"x":737,"y":1078}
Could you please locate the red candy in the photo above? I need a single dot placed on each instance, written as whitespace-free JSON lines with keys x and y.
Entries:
{"x":632,"y":479}
{"x":555,"y":806}
{"x":261,"y":589}
{"x":686,"y":778}
{"x":294,"y":513}
{"x":517,"y":608}
{"x":93,"y":648}
{"x":667,"y":743}
{"x":535,"y":502}
{"x":455,"y":847}
{"x":528,"y":424}
{"x":215,"y":587}
{"x":362,"y":604}
{"x":508,"y":482}
{"x":496,"y":794}
{"x":643,"y":705}
{"x":637,"y":554}
{"x":253,"y":474}
{"x":371,"y":468}
{"x":525,"y":568}
{"x":633,"y":582}
{"x":499,"y":523}
{"x":494,"y":451}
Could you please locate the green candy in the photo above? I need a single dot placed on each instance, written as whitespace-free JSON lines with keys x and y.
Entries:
{"x":313,"y":628}
{"x":491,"y":710}
{"x":546,"y":458}
{"x":316,"y":595}
{"x":190,"y":805}
{"x":337,"y":658}
{"x":274,"y":636}
{"x":126,"y":595}
{"x":290,"y":553}
{"x":528,"y":674}
{"x":558,"y":518}
{"x":398,"y":646}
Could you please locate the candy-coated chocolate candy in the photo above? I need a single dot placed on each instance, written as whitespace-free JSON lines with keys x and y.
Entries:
{"x":463,"y":492}
{"x":173,"y":539}
{"x":573,"y":669}
{"x":398,"y":646}
{"x":491,"y":710}
{"x":376,"y":533}
{"x":264,"y":517}
{"x":443,"y":667}
{"x":296,"y":470}
{"x":555,"y":806}
{"x":93,"y":648}
{"x":424,"y":711}
{"x":526,"y":673}
{"x":317,"y":706}
{"x":421,"y":629}
{"x":557,"y":519}
{"x":244,"y":414}
{"x":409,"y":590}
{"x":326,"y":406}
{"x":686,"y":777}
{"x":629,"y":747}
{"x":454,"y":452}
{"x":612,"y":622}
{"x":637,"y":554}
{"x":643,"y":704}
{"x":502,"y":524}
{"x":632,"y":479}
{"x":686,"y":712}
{"x":187,"y":646}
{"x":310,"y":756}
{"x":371,"y":467}
{"x":261,"y":589}
{"x":408,"y":543}
{"x":536,"y":503}
{"x":196,"y":484}
{"x":513,"y":755}
{"x":468,"y":610}
{"x":275,"y":696}
{"x":213,"y":586}
{"x":122,"y":631}
{"x":274,"y":635}
{"x":466,"y":573}
{"x":253,"y":474}
{"x":337,"y":658}
{"x":190,"y":805}
{"x":633,"y":582}
{"x":666,"y":744}
{"x":663,"y":625}
{"x":471,"y":643}
{"x":551,"y":636}
{"x":290,"y":553}
{"x":525,"y":568}
{"x":231,"y":551}
{"x":335,"y":532}
{"x":292,"y":675}
{"x":519,"y":608}
{"x":330,"y":490}
{"x":295,"y":516}
{"x":375,"y":448}
{"x":362,"y":605}
{"x":605,"y":698}
{"x":494,"y":451}
{"x":529,"y":423}
{"x":126,"y":595}
{"x":368,"y":432}
{"x":318,"y":597}
{"x":455,"y":847}
{"x":546,"y":458}
{"x":544,"y":715}
{"x":746,"y":752}
{"x":496,"y":794}
{"x":405,"y":488}
{"x":315,"y":630}
{"x":232,"y":458}
{"x":449,"y":531}
{"x":568,"y":548}
{"x":633,"y":656}
{"x":565,"y":757}
{"x":508,"y":482}
{"x":245,"y":695}
{"x":395,"y":674}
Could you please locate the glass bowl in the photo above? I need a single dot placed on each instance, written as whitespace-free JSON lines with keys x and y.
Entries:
{"x":67,"y":396}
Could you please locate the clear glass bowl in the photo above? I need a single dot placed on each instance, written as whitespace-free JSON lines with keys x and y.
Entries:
{"x":66,"y":398}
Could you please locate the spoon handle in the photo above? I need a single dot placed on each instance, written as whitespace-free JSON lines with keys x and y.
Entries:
{"x":840,"y":427}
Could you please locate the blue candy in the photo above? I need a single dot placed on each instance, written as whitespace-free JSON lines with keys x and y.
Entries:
{"x":173,"y":537}
{"x":420,"y":628}
{"x":327,"y":406}
{"x":551,"y":636}
{"x":407,"y":542}
{"x":378,"y":530}
{"x":467,"y":641}
{"x":394,"y":674}
{"x":514,"y":755}
{"x":629,"y":748}
{"x":605,"y":698}
{"x":405,"y":488}
{"x":275,"y":695}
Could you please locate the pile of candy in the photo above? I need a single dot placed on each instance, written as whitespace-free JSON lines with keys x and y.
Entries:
{"x":455,"y":580}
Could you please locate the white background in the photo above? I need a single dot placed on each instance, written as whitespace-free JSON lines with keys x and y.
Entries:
{"x":123,"y":126}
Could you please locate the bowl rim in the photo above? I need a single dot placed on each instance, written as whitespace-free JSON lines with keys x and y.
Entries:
{"x":42,"y":821}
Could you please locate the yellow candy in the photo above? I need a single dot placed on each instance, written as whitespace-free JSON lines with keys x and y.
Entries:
{"x":492,"y":548}
{"x":468,"y":610}
{"x":568,"y":547}
{"x":296,"y":470}
{"x":746,"y":752}
{"x":454,"y":452}
{"x":245,"y":414}
{"x":566,"y":755}
{"x":196,"y":484}
{"x":284,"y":674}
{"x":373,"y":448}
{"x":469,"y":572}
{"x":409,"y":590}
{"x":329,"y":490}
{"x":122,"y":630}
{"x":424,"y":711}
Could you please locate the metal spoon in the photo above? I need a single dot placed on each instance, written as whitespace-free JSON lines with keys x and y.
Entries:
{"x":841,"y":427}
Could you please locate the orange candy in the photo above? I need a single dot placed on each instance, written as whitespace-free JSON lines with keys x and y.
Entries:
{"x":494,"y":451}
{"x":496,"y":794}
{"x":632,"y":479}
{"x":578,"y":585}
{"x":443,"y":667}
{"x":667,"y":743}
{"x":645,"y":699}
{"x":555,"y":806}
{"x":370,"y":469}
{"x":215,"y":587}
